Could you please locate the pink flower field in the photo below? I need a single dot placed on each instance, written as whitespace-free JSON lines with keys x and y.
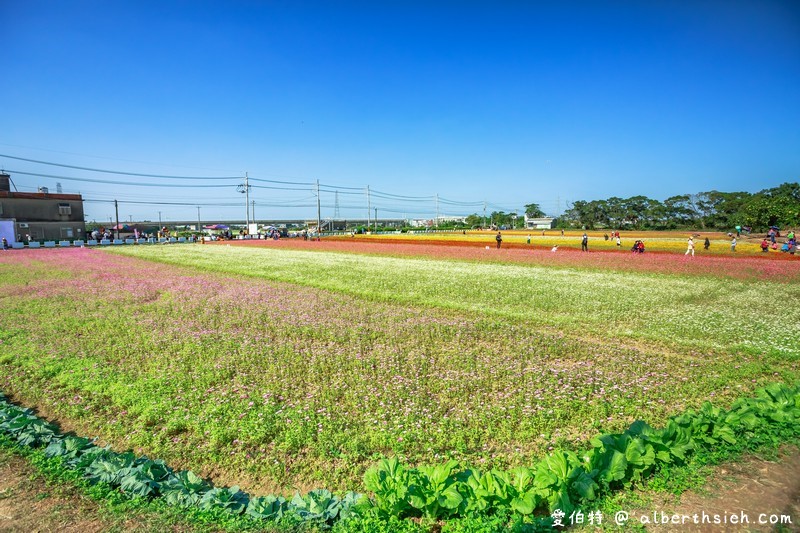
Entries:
{"x":273,"y":385}
{"x":775,"y":267}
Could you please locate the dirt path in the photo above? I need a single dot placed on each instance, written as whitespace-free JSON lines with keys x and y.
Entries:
{"x":28,"y":503}
{"x":752,"y":495}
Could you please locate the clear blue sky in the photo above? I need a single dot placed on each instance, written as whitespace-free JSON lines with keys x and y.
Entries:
{"x":504,"y":102}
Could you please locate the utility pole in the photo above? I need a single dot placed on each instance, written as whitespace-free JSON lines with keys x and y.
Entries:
{"x":437,"y":210}
{"x":247,"y":200}
{"x":245,"y":188}
{"x":376,"y":219}
{"x":199,"y":226}
{"x":336,"y":205}
{"x":116,"y":208}
{"x":254,"y":211}
{"x":484,"y":214}
{"x":159,"y":221}
{"x":369,"y":207}
{"x":130,"y":217}
{"x":319,"y":215}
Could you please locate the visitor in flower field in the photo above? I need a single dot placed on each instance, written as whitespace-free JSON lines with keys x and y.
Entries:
{"x":619,"y":241}
{"x":733,"y":244}
{"x":765,"y":245}
{"x":706,"y":244}
{"x":690,"y":247}
{"x":5,"y":244}
{"x":529,"y":238}
{"x":585,"y":243}
{"x":499,"y":239}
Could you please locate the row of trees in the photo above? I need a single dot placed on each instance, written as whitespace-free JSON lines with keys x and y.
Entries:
{"x":779,"y":206}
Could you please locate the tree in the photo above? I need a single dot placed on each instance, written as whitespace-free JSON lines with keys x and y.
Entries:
{"x":474,"y":220}
{"x":533,"y":211}
{"x":722,"y":209}
{"x":678,"y":211}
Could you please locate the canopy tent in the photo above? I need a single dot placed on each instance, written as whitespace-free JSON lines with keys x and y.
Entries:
{"x":216,"y":226}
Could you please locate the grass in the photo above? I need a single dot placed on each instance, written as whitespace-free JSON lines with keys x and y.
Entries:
{"x":277,"y":369}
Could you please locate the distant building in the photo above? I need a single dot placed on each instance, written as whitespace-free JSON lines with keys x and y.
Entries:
{"x":42,"y":215}
{"x":432,"y":222}
{"x":539,"y":223}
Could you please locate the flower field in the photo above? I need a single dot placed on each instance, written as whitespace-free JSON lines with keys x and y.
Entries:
{"x":276,"y":368}
{"x":657,"y":241}
{"x":774,"y":266}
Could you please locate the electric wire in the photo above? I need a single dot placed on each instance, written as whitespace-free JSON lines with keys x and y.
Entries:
{"x":62,"y":165}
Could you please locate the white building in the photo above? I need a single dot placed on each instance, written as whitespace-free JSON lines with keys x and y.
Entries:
{"x":539,"y":223}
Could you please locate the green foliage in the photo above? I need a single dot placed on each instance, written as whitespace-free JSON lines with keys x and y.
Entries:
{"x":713,"y":209}
{"x":230,"y":499}
{"x":389,"y":481}
{"x":434,"y":490}
{"x":184,"y":488}
{"x":267,"y":507}
{"x":69,"y":447}
{"x":562,"y":480}
{"x":565,"y":481}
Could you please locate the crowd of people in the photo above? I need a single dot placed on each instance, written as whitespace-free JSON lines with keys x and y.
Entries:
{"x":770,"y":241}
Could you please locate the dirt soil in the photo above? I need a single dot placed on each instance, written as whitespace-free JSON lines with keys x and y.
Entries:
{"x":28,"y":503}
{"x":758,"y":489}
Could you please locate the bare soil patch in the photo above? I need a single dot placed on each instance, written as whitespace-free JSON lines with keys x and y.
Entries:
{"x":753,"y":495}
{"x":29,"y":503}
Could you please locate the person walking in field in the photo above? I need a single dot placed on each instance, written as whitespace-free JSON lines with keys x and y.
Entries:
{"x":733,"y":244}
{"x":499,"y":239}
{"x":706,"y":244}
{"x":529,"y":238}
{"x":619,"y":242}
{"x":690,"y":247}
{"x":585,"y":243}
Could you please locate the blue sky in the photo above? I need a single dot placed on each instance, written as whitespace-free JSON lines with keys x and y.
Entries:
{"x":503,"y":102}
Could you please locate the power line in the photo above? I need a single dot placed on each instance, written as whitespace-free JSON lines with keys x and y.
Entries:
{"x":113,"y":182}
{"x":119,"y":171}
{"x":138,"y":184}
{"x":385,"y":201}
{"x":400,"y":196}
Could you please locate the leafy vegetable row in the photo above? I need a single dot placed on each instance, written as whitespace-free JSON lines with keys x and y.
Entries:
{"x":563,"y":480}
{"x":146,"y":478}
